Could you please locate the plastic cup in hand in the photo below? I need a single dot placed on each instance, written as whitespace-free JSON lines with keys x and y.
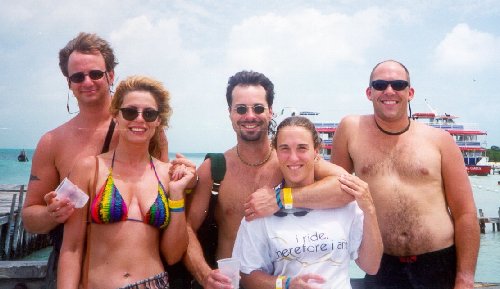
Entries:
{"x":230,"y":267}
{"x":67,"y":189}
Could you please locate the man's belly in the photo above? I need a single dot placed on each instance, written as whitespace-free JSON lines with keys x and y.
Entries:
{"x":410,"y":231}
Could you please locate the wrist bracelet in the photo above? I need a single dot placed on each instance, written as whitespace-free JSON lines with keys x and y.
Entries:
{"x":278,"y":198}
{"x":279,"y":282}
{"x":176,"y":205}
{"x":287,"y":283}
{"x":288,"y":198}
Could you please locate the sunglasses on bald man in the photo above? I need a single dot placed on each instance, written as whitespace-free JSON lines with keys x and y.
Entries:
{"x":382,"y":85}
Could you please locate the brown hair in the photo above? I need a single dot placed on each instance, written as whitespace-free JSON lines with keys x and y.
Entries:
{"x":161,"y":96}
{"x":89,"y":44}
{"x":299,"y":121}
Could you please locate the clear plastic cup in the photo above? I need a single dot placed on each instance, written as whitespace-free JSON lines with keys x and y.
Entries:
{"x":230,"y":267}
{"x":67,"y":189}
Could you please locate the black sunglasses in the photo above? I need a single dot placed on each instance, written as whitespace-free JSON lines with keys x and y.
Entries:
{"x":296,"y":213}
{"x":397,"y":85}
{"x":80,"y":76}
{"x":131,"y":113}
{"x":243,"y":109}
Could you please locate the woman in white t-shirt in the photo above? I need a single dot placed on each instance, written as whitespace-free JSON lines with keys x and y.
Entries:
{"x":301,"y":248}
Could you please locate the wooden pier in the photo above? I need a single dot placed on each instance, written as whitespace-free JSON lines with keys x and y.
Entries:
{"x":16,"y":243}
{"x":494,"y":221}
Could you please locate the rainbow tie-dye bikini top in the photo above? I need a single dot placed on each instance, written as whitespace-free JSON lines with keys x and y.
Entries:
{"x":109,"y":207}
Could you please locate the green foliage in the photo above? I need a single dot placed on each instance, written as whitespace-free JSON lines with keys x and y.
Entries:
{"x":493,"y":154}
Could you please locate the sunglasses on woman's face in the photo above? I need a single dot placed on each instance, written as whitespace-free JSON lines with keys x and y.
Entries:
{"x":131,"y":113}
{"x":79,"y":77}
{"x":382,"y":85}
{"x":242,"y":109}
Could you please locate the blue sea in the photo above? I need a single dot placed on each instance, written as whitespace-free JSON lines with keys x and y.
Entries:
{"x":486,"y":194}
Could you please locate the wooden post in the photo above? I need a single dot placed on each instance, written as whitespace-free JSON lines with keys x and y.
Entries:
{"x":9,"y":225}
{"x":498,"y":224}
{"x":482,"y":225}
{"x":17,"y":226}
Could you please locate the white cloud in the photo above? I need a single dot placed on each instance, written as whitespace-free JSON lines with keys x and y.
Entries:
{"x":466,"y":48}
{"x":152,"y":46}
{"x":303,"y":40}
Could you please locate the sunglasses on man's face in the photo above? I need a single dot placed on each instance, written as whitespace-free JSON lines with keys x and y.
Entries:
{"x":296,"y":213}
{"x":79,"y":77}
{"x":397,"y":85}
{"x":131,"y":113}
{"x":243,"y":109}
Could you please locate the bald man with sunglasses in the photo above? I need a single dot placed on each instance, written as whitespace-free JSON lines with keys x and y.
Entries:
{"x":88,"y":63}
{"x":420,"y":188}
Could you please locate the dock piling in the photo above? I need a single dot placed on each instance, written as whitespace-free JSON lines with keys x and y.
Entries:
{"x":495,"y":222}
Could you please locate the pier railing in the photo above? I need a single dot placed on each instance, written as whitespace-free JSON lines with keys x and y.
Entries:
{"x":15,"y":242}
{"x":495,"y":222}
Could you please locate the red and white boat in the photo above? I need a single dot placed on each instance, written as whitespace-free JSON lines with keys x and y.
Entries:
{"x":471,"y":141}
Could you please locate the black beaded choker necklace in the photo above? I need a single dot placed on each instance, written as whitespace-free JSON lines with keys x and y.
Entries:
{"x":390,"y":132}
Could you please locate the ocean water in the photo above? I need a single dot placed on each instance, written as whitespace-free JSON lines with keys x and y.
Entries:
{"x":486,"y":194}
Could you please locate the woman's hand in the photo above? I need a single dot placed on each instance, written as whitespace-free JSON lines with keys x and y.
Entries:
{"x":179,"y":160}
{"x":359,"y":189}
{"x":179,"y":179}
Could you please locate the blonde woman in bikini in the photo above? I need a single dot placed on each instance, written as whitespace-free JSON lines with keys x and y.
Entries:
{"x":136,"y":209}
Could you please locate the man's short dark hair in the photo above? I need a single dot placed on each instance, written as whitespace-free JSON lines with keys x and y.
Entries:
{"x":89,"y":44}
{"x":250,"y":78}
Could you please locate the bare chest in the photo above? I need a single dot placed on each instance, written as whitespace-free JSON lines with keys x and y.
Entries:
{"x":407,"y":159}
{"x":239,"y":183}
{"x":75,"y":145}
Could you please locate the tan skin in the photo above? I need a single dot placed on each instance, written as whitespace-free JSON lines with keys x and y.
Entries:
{"x":246,"y":191}
{"x":414,"y":178}
{"x":295,"y":147}
{"x":117,"y":248}
{"x":58,"y":150}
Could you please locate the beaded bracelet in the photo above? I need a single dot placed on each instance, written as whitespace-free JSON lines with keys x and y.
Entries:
{"x":288,"y":198}
{"x":278,"y":198}
{"x":176,"y":205}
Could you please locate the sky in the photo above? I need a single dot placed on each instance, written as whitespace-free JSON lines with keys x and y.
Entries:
{"x":318,"y":54}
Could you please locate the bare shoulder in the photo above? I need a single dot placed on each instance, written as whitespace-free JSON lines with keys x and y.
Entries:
{"x":351,"y":120}
{"x":440,"y":137}
{"x":162,"y":168}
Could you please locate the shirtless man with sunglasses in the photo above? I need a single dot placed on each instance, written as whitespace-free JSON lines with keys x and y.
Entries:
{"x":419,"y":186}
{"x":88,"y":63}
{"x":252,"y":172}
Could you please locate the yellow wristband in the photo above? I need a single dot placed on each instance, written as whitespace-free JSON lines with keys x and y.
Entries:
{"x":175,"y":204}
{"x":279,"y":282}
{"x":287,"y":198}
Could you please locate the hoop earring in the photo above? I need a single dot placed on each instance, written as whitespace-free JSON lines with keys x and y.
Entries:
{"x":67,"y":106}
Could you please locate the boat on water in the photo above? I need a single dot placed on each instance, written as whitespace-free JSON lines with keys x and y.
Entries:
{"x":22,"y":157}
{"x":468,"y":140}
{"x":471,"y":141}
